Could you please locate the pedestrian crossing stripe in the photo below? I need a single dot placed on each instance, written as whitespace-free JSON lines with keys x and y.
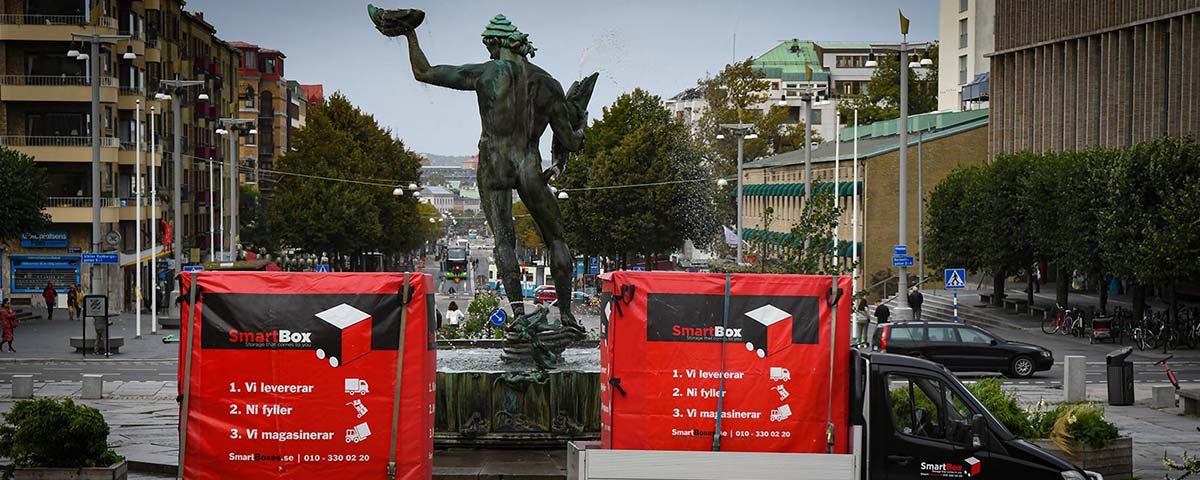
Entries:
{"x":956,"y":278}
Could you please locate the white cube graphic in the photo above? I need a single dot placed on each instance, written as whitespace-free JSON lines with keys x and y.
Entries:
{"x":351,"y":337}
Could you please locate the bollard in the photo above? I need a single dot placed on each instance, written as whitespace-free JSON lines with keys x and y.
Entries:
{"x":1074,"y":378}
{"x":1163,"y":396}
{"x":22,"y":386}
{"x":93,"y":386}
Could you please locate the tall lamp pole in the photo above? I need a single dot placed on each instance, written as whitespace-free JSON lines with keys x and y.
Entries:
{"x":903,"y":311}
{"x":153,"y":226}
{"x":233,"y":127}
{"x":178,"y":88}
{"x":743,"y":131}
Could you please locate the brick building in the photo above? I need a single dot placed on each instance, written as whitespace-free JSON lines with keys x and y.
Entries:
{"x":939,"y":142}
{"x":1072,"y":74}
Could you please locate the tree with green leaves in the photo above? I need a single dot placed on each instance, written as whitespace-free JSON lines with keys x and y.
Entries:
{"x":881,"y":100}
{"x":735,"y":96}
{"x":23,"y":189}
{"x":950,"y":217}
{"x":527,"y":233}
{"x":356,"y":211}
{"x":639,"y":186}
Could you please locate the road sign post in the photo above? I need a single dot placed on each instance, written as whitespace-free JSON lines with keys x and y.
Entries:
{"x":956,"y":279}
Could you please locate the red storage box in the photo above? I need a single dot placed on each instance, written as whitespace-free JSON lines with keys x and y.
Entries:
{"x":763,"y":350}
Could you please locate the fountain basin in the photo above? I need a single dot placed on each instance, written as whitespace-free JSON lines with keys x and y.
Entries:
{"x":482,"y":401}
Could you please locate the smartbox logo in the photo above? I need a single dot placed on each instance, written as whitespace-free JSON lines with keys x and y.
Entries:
{"x":970,"y":467}
{"x":272,"y":338}
{"x":764,"y":324}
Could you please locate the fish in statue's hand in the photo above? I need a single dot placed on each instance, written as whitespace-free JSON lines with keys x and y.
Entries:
{"x":397,"y":22}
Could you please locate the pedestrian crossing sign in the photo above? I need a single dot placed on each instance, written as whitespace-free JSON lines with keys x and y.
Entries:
{"x":956,"y":278}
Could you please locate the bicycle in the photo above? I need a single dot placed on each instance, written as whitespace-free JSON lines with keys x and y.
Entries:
{"x":1170,"y":376}
{"x":1062,"y":322}
{"x":1142,"y":336}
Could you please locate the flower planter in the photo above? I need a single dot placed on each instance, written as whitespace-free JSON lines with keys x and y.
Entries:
{"x":116,"y":471}
{"x":1115,"y":461}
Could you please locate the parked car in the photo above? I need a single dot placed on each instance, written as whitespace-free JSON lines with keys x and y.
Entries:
{"x":962,"y":348}
{"x":544,"y":294}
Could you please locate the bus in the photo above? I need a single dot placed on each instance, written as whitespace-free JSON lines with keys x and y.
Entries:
{"x":457,"y":264}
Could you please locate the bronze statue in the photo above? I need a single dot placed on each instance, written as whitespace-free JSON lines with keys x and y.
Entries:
{"x":517,"y":101}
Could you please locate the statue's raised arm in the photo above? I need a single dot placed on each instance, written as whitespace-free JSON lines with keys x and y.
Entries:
{"x":395,"y":23}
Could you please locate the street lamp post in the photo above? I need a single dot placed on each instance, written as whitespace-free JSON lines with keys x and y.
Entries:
{"x":178,"y":89}
{"x":93,"y":59}
{"x":153,"y":227}
{"x":743,"y":131}
{"x":234,"y":126}
{"x":903,"y":311}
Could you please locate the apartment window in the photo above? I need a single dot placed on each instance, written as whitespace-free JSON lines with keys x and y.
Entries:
{"x":249,"y":60}
{"x":249,"y":96}
{"x":962,"y":5}
{"x":814,"y":117}
{"x":270,"y":65}
{"x":962,"y":33}
{"x":962,"y":70}
{"x":851,"y":61}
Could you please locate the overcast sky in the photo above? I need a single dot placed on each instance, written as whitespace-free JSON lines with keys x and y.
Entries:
{"x":662,"y":46}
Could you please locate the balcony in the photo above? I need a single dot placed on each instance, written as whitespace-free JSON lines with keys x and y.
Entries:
{"x":54,"y":88}
{"x":77,"y":149}
{"x":51,"y":28}
{"x":128,"y":154}
{"x":152,"y":52}
{"x":79,"y":209}
{"x":128,"y":97}
{"x":129,"y":209}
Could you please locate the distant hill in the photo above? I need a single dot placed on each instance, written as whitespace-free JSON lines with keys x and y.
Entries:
{"x":445,"y":160}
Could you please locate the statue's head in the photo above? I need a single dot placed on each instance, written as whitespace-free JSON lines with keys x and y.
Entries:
{"x":501,"y":33}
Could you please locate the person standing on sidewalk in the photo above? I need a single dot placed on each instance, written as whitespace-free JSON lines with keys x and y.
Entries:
{"x":914,"y":300}
{"x":72,"y":304}
{"x":50,"y":295}
{"x":882,"y":312}
{"x":78,"y":301}
{"x":8,"y":320}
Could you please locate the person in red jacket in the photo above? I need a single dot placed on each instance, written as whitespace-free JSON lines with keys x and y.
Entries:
{"x":51,"y":296}
{"x":8,"y":320}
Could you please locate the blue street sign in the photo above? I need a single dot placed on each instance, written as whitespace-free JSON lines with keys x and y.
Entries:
{"x":900,"y":250}
{"x":100,"y":258}
{"x":902,"y":261}
{"x":956,"y":278}
{"x":498,"y":317}
{"x":322,"y":267}
{"x":193,"y":268}
{"x":578,"y":267}
{"x":594,"y":265}
{"x":638,"y":268}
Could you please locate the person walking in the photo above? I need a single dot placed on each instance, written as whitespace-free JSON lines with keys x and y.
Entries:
{"x":882,"y":312}
{"x":454,"y":316}
{"x":914,"y":300}
{"x":72,"y":304}
{"x":8,"y":320}
{"x":79,"y":301}
{"x":50,"y":295}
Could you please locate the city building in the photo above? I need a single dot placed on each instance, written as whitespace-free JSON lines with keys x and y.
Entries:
{"x":439,"y":174}
{"x":792,"y":67}
{"x":1072,"y":74}
{"x":940,"y":142}
{"x":440,"y":197}
{"x":45,"y":112}
{"x":965,"y":41}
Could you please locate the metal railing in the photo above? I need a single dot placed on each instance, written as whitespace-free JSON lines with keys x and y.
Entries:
{"x":12,"y":19}
{"x":54,"y":80}
{"x":48,"y":141}
{"x":78,"y":202}
{"x":108,"y":22}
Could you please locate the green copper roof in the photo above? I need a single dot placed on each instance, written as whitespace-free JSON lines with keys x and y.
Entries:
{"x":916,"y":123}
{"x":789,"y":59}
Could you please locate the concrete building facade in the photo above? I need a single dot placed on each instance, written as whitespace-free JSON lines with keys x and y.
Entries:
{"x":45,"y":112}
{"x":1072,"y":74}
{"x":965,"y":39}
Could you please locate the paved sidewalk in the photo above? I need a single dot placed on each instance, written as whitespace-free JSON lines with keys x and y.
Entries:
{"x":40,"y":338}
{"x":1154,"y":431}
{"x":143,"y":418}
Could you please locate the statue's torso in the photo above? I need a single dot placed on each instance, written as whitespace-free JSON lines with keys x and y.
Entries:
{"x":512,"y":106}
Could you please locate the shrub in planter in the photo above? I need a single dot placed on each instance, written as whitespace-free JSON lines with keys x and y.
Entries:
{"x":1082,"y":424}
{"x":49,"y":433}
{"x":1004,"y":406}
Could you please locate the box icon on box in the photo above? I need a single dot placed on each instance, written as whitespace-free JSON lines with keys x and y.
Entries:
{"x":770,"y":332}
{"x":351,"y":337}
{"x":973,"y":466}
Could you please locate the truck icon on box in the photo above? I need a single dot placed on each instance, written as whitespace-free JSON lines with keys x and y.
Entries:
{"x":778,"y":374}
{"x":770,"y":332}
{"x":780,"y":414}
{"x":350,"y":337}
{"x":355,"y":386}
{"x":357,"y":434}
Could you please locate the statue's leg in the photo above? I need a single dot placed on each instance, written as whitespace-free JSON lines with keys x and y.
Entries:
{"x":543,"y":207}
{"x":497,"y":207}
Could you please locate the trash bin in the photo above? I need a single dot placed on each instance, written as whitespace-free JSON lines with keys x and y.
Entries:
{"x":1120,"y":376}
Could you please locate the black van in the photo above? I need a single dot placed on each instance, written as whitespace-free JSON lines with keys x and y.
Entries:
{"x":962,"y":348}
